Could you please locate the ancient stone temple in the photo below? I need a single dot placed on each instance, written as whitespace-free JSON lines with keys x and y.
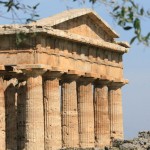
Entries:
{"x":60,"y":83}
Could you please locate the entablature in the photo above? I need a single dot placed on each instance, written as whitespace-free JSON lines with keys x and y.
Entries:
{"x":48,"y":71}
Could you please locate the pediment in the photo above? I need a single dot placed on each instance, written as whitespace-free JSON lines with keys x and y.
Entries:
{"x":84,"y":26}
{"x":83,"y":22}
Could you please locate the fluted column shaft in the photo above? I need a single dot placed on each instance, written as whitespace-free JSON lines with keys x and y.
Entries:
{"x":70,"y":134}
{"x":115,"y":113}
{"x":2,"y":117}
{"x":34,"y":114}
{"x":86,"y":113}
{"x":102,"y":122}
{"x":21,"y":118}
{"x":11,"y":113}
{"x":52,"y":114}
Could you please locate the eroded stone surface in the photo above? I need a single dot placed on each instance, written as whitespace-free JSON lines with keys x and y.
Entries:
{"x":21,"y":115}
{"x":2,"y":116}
{"x":86,"y":114}
{"x":52,"y":114}
{"x":70,"y":136}
{"x":11,"y":117}
{"x":101,"y":113}
{"x":115,"y":113}
{"x":142,"y":142}
{"x":74,"y":51}
{"x":34,"y":135}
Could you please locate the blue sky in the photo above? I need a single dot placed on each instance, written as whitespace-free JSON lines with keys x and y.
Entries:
{"x":136,"y":95}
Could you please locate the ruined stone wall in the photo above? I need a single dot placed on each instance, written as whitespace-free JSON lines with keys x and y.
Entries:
{"x":141,"y":142}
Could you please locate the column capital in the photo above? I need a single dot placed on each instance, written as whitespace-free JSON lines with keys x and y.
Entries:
{"x":85,"y":80}
{"x":88,"y":77}
{"x":102,"y":82}
{"x":33,"y":69}
{"x":52,"y":75}
{"x":115,"y":84}
{"x":71,"y":75}
{"x":34,"y":72}
{"x":7,"y":72}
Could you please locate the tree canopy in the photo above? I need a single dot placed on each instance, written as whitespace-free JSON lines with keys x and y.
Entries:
{"x":126,"y":13}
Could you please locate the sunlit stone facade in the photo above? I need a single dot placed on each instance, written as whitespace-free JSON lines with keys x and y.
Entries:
{"x":60,"y":87}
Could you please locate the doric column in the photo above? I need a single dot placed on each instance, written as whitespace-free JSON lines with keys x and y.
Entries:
{"x":101,"y":115}
{"x":11,"y":114}
{"x":70,"y":134}
{"x":34,"y":125}
{"x":2,"y":117}
{"x":21,"y":111}
{"x":115,"y":111}
{"x":52,"y":115}
{"x":86,"y":113}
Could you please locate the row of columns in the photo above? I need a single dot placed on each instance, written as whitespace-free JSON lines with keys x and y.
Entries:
{"x":83,"y":119}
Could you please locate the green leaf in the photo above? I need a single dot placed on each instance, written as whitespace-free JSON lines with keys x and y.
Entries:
{"x":120,"y":22}
{"x":36,"y":15}
{"x":30,"y":20}
{"x":128,"y":28}
{"x":142,"y":11}
{"x":148,"y":36}
{"x":93,"y":1}
{"x":148,"y":12}
{"x":35,"y":7}
{"x":9,"y":5}
{"x":116,"y":8}
{"x":137,"y":23}
{"x":128,"y":20}
{"x":123,"y":11}
{"x":1,"y":2}
{"x":17,"y":6}
{"x":132,"y":2}
{"x":131,"y":15}
{"x":29,"y":6}
{"x":133,"y":39}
